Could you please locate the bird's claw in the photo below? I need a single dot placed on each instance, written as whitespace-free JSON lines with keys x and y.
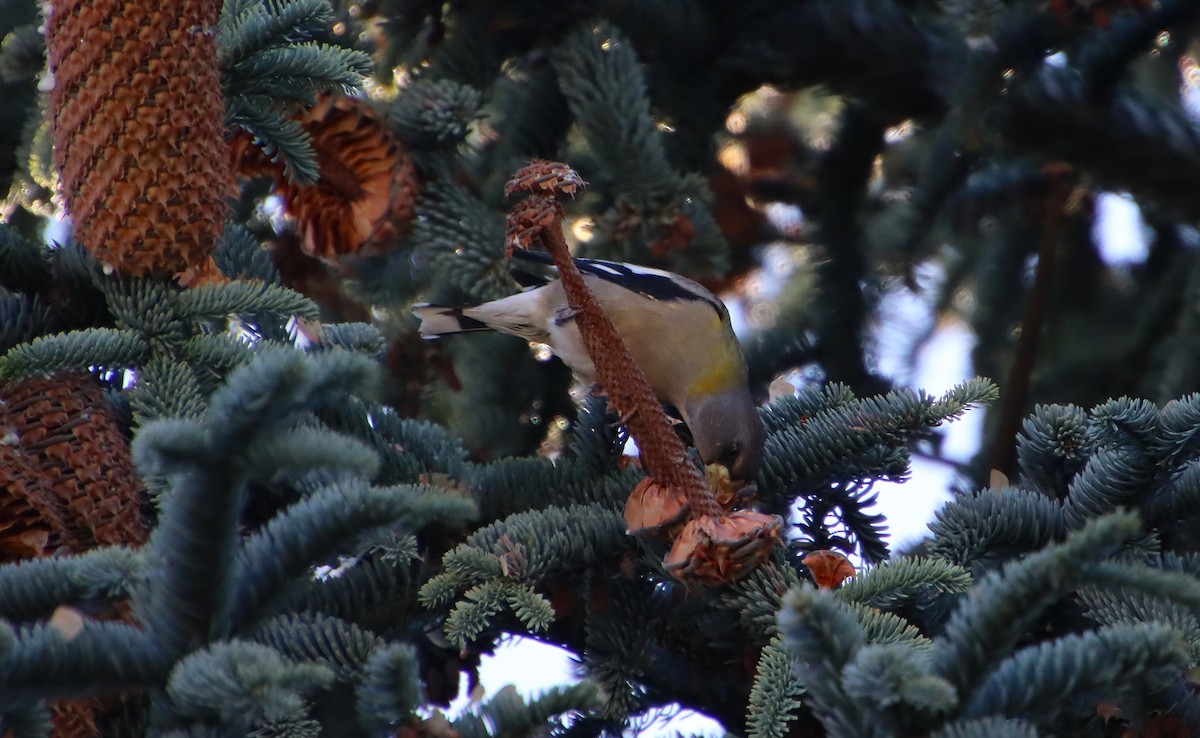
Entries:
{"x":565,"y":315}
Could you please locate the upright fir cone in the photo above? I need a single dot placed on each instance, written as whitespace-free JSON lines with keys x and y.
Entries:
{"x":137,"y":122}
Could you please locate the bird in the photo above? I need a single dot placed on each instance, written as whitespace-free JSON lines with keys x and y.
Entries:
{"x":678,"y":332}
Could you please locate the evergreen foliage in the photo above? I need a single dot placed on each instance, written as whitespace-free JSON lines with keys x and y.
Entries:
{"x":269,"y":71}
{"x":346,"y":519}
{"x":982,"y":659}
{"x":773,"y":699}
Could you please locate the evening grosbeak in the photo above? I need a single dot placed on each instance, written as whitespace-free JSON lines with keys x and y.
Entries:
{"x":678,"y":332}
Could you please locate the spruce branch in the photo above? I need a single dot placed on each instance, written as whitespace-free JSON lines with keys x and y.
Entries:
{"x":271,"y":69}
{"x":1052,"y":448}
{"x":892,"y":675}
{"x":797,"y":409}
{"x":281,"y":139}
{"x":317,"y":528}
{"x":216,"y":302}
{"x":391,"y":687}
{"x":534,"y":115}
{"x":23,"y":318}
{"x":884,"y":627}
{"x":508,"y":714}
{"x":470,"y":565}
{"x":1178,"y":437}
{"x":841,"y":517}
{"x":622,"y":653}
{"x":988,"y":727}
{"x":217,"y":351}
{"x":533,"y":610}
{"x":166,"y":388}
{"x":824,"y":636}
{"x":244,"y":684}
{"x":280,"y":72}
{"x":1177,"y":501}
{"x":1112,"y":479}
{"x":1124,"y":422}
{"x":34,"y":588}
{"x":196,"y":534}
{"x":433,"y":114}
{"x":1117,"y":605}
{"x":655,"y":211}
{"x":108,"y":348}
{"x":148,"y":306}
{"x":288,"y":727}
{"x":103,"y":658}
{"x":758,"y":597}
{"x":834,"y":454}
{"x":27,"y":721}
{"x":241,"y":255}
{"x":1106,"y":57}
{"x":340,"y":646}
{"x":987,"y":626}
{"x":457,"y":235}
{"x":528,"y":547}
{"x":474,"y":612}
{"x":288,"y":384}
{"x":775,"y":695}
{"x":407,"y":448}
{"x":368,"y":590}
{"x":297,"y":451}
{"x":567,"y":481}
{"x":1171,"y":586}
{"x":831,"y":442}
{"x":360,"y":338}
{"x":249,"y":26}
{"x":903,"y":579}
{"x":977,"y":529}
{"x":601,"y":78}
{"x":1045,"y":680}
{"x":191,"y":596}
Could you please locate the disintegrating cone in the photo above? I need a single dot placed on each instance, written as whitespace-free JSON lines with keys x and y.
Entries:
{"x":829,"y":568}
{"x":137,"y":116}
{"x":76,"y":718}
{"x":653,"y":508}
{"x":66,"y":477}
{"x":367,"y":190}
{"x":718,"y":550}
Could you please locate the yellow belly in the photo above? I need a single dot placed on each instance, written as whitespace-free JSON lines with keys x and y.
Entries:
{"x":685,"y":349}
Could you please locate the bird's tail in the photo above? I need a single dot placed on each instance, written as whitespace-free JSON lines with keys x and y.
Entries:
{"x":438,"y":320}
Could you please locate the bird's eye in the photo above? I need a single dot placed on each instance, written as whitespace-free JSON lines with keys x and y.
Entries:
{"x":729,"y":453}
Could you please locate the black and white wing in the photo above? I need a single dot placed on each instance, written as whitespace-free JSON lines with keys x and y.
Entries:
{"x":655,"y":284}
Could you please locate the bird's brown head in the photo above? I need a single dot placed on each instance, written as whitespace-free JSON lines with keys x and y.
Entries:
{"x":727,"y":430}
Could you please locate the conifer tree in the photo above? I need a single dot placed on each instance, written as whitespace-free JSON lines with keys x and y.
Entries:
{"x":240,"y":496}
